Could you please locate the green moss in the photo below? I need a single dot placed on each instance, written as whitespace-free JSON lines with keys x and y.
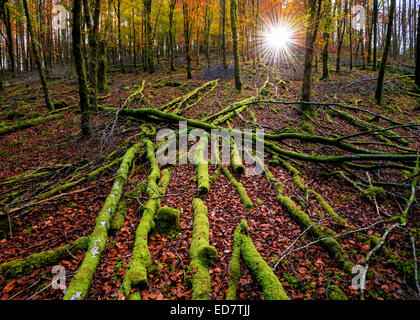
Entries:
{"x":335,"y":293}
{"x":13,"y":115}
{"x":240,"y":188}
{"x":235,"y":158}
{"x":270,"y":285}
{"x":291,"y":280}
{"x":80,"y":284}
{"x":234,"y":265}
{"x":35,"y":261}
{"x":60,"y":104}
{"x":307,"y":127}
{"x":331,"y":245}
{"x":167,"y":221}
{"x":202,"y":168}
{"x":378,"y":192}
{"x":201,"y":253}
{"x":118,"y":218}
{"x":259,"y":202}
{"x":136,"y":274}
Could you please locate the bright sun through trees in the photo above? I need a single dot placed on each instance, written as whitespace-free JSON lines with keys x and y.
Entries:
{"x":278,"y":37}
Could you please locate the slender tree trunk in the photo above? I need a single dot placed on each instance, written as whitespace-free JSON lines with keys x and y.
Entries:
{"x":314,"y":8}
{"x":223,"y":44}
{"x":404,"y":26}
{"x":9,"y":39}
{"x":102,"y":55}
{"x":34,"y":43}
{"x":119,"y":35}
{"x":80,"y":69}
{"x":375,"y":32}
{"x":93,"y":54}
{"x":351,"y":36}
{"x":172,"y":4}
{"x":234,"y":27}
{"x":341,"y":32}
{"x":149,"y":36}
{"x":187,"y":36}
{"x":326,"y":39}
{"x":417,"y":77}
{"x":379,"y":84}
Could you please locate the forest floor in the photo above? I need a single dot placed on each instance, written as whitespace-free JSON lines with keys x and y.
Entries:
{"x":308,"y":273}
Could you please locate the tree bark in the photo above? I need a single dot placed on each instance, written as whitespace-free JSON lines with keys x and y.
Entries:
{"x":34,"y":43}
{"x":379,"y":84}
{"x":234,"y":27}
{"x":314,"y":8}
{"x":417,"y":77}
{"x":172,"y":4}
{"x":223,"y":44}
{"x":80,"y":69}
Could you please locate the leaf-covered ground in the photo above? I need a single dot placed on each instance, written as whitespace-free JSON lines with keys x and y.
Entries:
{"x":305,"y":274}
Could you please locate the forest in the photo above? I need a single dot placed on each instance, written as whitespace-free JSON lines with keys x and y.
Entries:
{"x":209,"y":149}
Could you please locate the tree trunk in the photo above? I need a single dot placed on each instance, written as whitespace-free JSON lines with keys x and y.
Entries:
{"x":34,"y":43}
{"x":80,"y":69}
{"x":379,"y":84}
{"x":326,"y":39}
{"x":149,"y":37}
{"x":187,"y":36}
{"x":93,"y":53}
{"x":119,"y":35}
{"x":234,"y":27}
{"x":223,"y":44}
{"x":314,"y":8}
{"x":171,"y":35}
{"x":417,"y":81}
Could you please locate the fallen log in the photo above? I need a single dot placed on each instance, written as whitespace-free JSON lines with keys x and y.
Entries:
{"x":80,"y":284}
{"x":29,"y":123}
{"x":201,"y":252}
{"x":13,"y":268}
{"x":136,"y":274}
{"x":260,"y":270}
{"x":158,"y":115}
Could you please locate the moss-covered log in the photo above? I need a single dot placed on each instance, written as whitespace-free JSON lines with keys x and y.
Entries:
{"x":136,"y":274}
{"x":330,"y":244}
{"x":167,"y":221}
{"x":239,"y":187}
{"x":202,"y":167}
{"x":201,"y":252}
{"x":79,"y":286}
{"x":135,"y":95}
{"x":235,"y":158}
{"x":158,"y":115}
{"x":178,"y":103}
{"x":13,"y":268}
{"x":302,"y":186}
{"x":260,"y":270}
{"x":235,"y":264}
{"x":29,"y":123}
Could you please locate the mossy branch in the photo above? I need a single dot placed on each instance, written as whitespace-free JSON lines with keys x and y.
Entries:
{"x":80,"y":284}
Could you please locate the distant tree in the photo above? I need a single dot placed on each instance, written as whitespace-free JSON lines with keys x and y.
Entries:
{"x":314,"y":10}
{"x":326,"y":37}
{"x":80,"y":69}
{"x":172,"y":4}
{"x":188,"y":13}
{"x":417,"y":53}
{"x":374,"y":31}
{"x":5,"y":16}
{"x":150,"y":61}
{"x":34,"y":45}
{"x":223,"y":32}
{"x":234,"y":27}
{"x":381,"y":75}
